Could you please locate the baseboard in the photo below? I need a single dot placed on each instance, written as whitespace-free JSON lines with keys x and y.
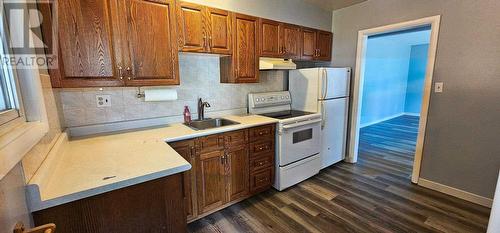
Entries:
{"x":411,"y":114}
{"x":381,"y":120}
{"x":474,"y":198}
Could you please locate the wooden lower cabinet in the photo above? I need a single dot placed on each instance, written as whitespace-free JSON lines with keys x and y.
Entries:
{"x":227,"y":168}
{"x":153,"y":206}
{"x":188,"y":151}
{"x":210,"y":181}
{"x":237,"y":173}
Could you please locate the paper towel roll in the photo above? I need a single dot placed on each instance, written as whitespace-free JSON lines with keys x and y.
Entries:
{"x":160,"y":95}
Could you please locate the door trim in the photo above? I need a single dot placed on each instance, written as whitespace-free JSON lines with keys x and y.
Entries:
{"x":434,"y":22}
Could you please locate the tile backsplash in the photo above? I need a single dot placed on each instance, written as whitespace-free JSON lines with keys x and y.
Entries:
{"x":199,"y":76}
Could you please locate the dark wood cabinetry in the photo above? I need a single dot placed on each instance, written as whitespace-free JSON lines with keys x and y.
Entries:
{"x":279,"y":40}
{"x":153,"y":206}
{"x":244,"y":66}
{"x":203,"y":29}
{"x":227,"y":168}
{"x":136,"y":42}
{"x":316,"y":45}
{"x":115,"y":43}
{"x":324,"y":45}
{"x":270,"y":43}
{"x":308,"y":42}
{"x":86,"y":50}
{"x":188,"y":151}
{"x":291,"y":41}
{"x":152,"y":36}
{"x":210,"y":177}
{"x":237,"y":172}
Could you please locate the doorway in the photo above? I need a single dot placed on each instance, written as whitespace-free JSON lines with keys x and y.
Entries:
{"x":392,"y":85}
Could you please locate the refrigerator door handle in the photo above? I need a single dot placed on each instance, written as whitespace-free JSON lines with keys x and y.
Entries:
{"x":326,"y":83}
{"x":323,"y":115}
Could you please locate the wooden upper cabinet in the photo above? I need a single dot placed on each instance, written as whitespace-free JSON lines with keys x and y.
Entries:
{"x":316,"y":45}
{"x":308,"y":41}
{"x":116,"y":43}
{"x":245,"y":62}
{"x":154,"y":58}
{"x":270,"y":40}
{"x":324,"y":45}
{"x":191,"y":28}
{"x":219,"y":31}
{"x":290,"y":39}
{"x":203,"y":29}
{"x":86,"y":54}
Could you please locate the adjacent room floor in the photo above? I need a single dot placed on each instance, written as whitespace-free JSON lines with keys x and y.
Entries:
{"x":374,"y":195}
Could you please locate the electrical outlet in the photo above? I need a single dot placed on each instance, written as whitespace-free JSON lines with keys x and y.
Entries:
{"x":103,"y":100}
{"x":438,"y":87}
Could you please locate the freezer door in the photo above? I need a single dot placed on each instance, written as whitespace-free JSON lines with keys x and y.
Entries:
{"x":304,"y":86}
{"x":335,"y":82}
{"x":334,"y":130}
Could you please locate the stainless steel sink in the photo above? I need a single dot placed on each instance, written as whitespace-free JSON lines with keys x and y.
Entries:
{"x":210,"y":123}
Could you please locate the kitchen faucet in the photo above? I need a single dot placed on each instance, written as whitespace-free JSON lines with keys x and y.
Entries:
{"x":201,"y":109}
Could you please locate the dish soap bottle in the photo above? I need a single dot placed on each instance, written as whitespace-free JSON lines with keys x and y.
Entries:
{"x":187,"y":115}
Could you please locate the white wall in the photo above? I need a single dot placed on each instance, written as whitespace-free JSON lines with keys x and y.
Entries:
{"x":289,"y":11}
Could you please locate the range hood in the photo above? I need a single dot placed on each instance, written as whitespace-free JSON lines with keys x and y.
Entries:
{"x":267,"y":63}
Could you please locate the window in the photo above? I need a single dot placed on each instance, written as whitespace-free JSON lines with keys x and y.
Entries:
{"x":9,"y":104}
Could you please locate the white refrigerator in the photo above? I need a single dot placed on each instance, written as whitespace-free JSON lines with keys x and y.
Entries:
{"x":325,"y":90}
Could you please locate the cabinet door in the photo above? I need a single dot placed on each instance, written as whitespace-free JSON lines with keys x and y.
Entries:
{"x":152,"y":38}
{"x":238,"y":176}
{"x":219,"y":28}
{"x":270,"y":39}
{"x":245,"y":57}
{"x":210,"y":180}
{"x":191,"y":28}
{"x":290,"y":37}
{"x":308,"y":42}
{"x":324,"y":45}
{"x":187,"y":150}
{"x":86,"y":55}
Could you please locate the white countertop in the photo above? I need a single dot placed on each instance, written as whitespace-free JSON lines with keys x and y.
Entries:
{"x":81,"y":168}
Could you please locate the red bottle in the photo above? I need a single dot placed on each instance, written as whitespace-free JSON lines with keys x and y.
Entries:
{"x":187,"y":115}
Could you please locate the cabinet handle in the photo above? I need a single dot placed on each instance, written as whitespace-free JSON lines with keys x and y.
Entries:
{"x":205,"y":42}
{"x":129,"y":71}
{"x":210,"y":42}
{"x":120,"y":72}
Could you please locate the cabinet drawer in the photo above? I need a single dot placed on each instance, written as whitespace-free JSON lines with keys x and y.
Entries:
{"x":262,"y":180}
{"x":260,"y":162}
{"x":257,"y":148}
{"x":211,"y":143}
{"x":261,"y":132}
{"x":236,"y":138}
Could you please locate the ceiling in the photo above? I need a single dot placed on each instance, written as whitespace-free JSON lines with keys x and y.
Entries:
{"x":334,"y":4}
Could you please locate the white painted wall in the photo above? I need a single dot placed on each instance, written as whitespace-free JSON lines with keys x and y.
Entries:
{"x":289,"y":11}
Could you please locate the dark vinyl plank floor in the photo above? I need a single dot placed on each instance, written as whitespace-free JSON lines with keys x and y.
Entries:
{"x":374,"y":195}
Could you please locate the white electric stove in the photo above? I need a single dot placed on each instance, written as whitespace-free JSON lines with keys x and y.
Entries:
{"x":298,"y":137}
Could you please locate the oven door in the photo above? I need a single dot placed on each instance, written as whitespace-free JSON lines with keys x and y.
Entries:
{"x":298,"y":141}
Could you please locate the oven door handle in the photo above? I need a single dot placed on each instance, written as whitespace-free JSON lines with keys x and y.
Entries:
{"x":302,"y":123}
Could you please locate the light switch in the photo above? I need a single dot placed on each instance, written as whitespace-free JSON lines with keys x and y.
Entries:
{"x":438,"y":87}
{"x":103,"y":101}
